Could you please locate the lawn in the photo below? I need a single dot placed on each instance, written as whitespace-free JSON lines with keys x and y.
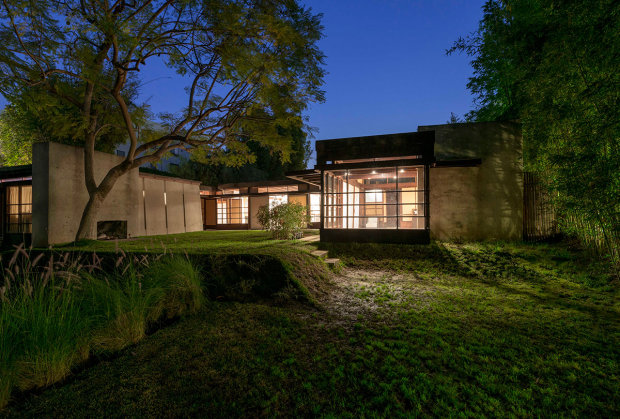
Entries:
{"x":474,"y":329}
{"x":200,"y":242}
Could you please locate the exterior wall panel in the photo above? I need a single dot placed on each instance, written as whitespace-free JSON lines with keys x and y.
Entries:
{"x":155,"y":209}
{"x":255,"y":203}
{"x":174,"y":207}
{"x":193,"y":218}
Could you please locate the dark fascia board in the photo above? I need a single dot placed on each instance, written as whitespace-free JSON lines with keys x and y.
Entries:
{"x":283,"y":182}
{"x":458,"y":163}
{"x":248,"y":194}
{"x":375,"y":164}
{"x":376,"y":146}
{"x":8,"y":172}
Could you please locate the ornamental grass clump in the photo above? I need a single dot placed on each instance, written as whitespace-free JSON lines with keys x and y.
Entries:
{"x":52,"y":317}
{"x":43,"y":330}
{"x":182,"y":285}
{"x":121,"y":306}
{"x":285,"y":221}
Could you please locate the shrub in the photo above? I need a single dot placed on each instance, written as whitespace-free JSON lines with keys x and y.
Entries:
{"x":285,"y":221}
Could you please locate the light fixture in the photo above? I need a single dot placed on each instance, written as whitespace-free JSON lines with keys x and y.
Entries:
{"x":402,"y":170}
{"x":374,"y":172}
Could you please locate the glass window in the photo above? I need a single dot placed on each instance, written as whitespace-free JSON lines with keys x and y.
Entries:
{"x":19,"y":209}
{"x":315,"y":208}
{"x":232,"y":210}
{"x":377,"y":198}
{"x":271,"y":189}
{"x":275,"y":200}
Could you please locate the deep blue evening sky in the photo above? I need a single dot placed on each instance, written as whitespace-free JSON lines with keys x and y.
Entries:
{"x":387,"y":67}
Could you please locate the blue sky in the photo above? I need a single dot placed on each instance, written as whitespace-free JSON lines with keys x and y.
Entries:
{"x":386,"y":64}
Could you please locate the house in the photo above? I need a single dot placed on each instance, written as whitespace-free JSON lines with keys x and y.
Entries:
{"x":447,"y":181}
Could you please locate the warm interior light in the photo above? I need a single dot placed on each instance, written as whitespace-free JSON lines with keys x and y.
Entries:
{"x":402,"y":170}
{"x":373,"y":172}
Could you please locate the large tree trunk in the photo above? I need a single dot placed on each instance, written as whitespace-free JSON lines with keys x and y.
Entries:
{"x":87,"y":228}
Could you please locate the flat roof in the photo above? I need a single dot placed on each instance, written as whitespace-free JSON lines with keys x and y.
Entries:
{"x":376,"y":147}
{"x":7,"y":172}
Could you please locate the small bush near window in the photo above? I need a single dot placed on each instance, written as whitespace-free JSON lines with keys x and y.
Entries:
{"x":285,"y":221}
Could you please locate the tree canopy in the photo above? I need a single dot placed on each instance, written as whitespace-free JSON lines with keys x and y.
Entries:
{"x":555,"y":66}
{"x":265,"y":164}
{"x":251,"y":69}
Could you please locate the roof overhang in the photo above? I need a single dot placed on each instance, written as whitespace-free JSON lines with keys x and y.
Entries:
{"x":311,"y":176}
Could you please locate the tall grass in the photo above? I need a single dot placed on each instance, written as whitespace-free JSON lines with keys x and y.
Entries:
{"x":53,"y":317}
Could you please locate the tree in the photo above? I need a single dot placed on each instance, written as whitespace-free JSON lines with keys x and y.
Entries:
{"x":15,"y":147}
{"x":264,"y":165}
{"x":555,"y":66}
{"x":26,"y":120}
{"x":251,"y":67}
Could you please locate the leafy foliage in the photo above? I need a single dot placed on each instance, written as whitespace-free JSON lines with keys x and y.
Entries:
{"x":554,"y":66}
{"x":285,"y":221}
{"x":264,"y":165}
{"x":251,"y":69}
{"x":15,"y":144}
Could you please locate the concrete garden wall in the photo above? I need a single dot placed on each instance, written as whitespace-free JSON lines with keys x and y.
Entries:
{"x":59,"y":197}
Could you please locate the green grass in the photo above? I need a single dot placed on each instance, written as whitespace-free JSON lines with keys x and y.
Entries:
{"x":473,"y":329}
{"x":200,"y":242}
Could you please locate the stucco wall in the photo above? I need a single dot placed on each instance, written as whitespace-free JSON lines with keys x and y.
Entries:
{"x":483,"y":202}
{"x":60,"y":196}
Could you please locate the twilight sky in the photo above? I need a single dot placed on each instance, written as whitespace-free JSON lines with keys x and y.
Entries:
{"x":386,"y":64}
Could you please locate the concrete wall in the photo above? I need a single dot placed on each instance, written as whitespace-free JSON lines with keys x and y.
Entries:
{"x":193,"y":217}
{"x":483,"y":202}
{"x":59,"y":197}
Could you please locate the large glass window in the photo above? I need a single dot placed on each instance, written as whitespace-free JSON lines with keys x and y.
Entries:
{"x":315,"y":208}
{"x":275,"y":200}
{"x":232,"y":210}
{"x":19,"y":209}
{"x":377,"y":198}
